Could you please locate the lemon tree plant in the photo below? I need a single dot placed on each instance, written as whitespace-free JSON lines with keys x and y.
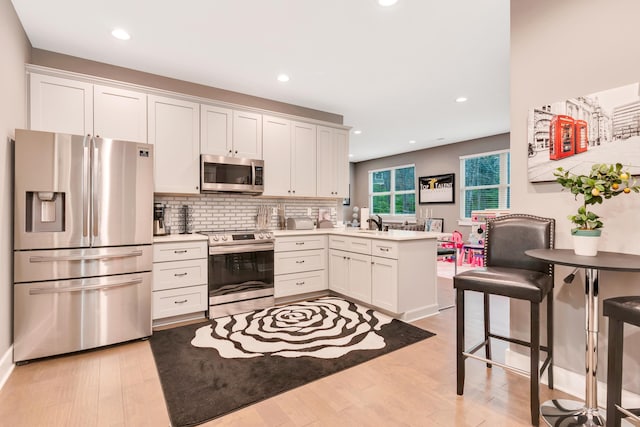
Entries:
{"x":602,"y":182}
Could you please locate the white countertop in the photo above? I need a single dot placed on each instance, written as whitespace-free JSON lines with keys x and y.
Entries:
{"x":179,"y":238}
{"x":397,"y":235}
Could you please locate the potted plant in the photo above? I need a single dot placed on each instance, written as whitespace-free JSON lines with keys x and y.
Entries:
{"x":602,"y":182}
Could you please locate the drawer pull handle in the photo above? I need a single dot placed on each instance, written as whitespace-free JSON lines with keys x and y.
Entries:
{"x":180,"y":302}
{"x":384,"y":249}
{"x":300,"y":262}
{"x":180,"y":274}
{"x":299,"y":283}
{"x":299,"y":243}
{"x":182,"y":251}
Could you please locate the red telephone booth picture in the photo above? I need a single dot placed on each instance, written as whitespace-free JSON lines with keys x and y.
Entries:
{"x":561,"y":137}
{"x":582,"y":143}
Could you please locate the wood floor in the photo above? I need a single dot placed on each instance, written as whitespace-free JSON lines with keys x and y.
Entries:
{"x":414,"y":386}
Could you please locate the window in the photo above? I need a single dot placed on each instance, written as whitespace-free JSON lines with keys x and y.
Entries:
{"x":485,"y":182}
{"x":393,"y":191}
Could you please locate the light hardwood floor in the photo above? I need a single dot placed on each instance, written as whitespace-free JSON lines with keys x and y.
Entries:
{"x":414,"y":386}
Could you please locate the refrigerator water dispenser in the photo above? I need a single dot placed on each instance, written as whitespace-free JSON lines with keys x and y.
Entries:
{"x":45,"y":211}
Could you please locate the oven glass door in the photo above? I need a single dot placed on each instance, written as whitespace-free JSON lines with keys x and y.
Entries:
{"x":240,"y":275}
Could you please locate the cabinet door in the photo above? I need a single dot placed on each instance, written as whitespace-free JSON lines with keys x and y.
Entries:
{"x":384,"y":283}
{"x":276,"y":133}
{"x":333,"y":162}
{"x":216,"y":124}
{"x":341,"y":160}
{"x":303,"y":155}
{"x":247,"y":135}
{"x":339,"y":271}
{"x":325,"y":171}
{"x":360,"y":277}
{"x":174,"y":130}
{"x":60,"y":105}
{"x":119,"y":114}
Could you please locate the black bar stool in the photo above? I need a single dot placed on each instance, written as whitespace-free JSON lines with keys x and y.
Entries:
{"x":620,"y":310}
{"x":511,"y":273}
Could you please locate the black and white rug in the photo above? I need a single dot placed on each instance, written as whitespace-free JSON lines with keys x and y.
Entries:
{"x":210,"y":369}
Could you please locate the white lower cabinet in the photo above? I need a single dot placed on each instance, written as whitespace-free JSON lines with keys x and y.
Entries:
{"x":300,"y":265}
{"x":384,"y":283}
{"x":179,"y":280}
{"x":350,"y":274}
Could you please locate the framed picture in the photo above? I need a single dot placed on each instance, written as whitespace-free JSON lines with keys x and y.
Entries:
{"x":436,"y":189}
{"x":434,"y":224}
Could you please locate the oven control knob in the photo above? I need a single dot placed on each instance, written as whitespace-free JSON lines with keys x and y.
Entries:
{"x":224,"y":238}
{"x":260,"y":236}
{"x":215,"y":238}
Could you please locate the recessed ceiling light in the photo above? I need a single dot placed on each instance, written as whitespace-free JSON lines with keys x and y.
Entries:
{"x":120,"y":34}
{"x":413,"y":141}
{"x":461,"y":99}
{"x":350,"y":155}
{"x":357,"y":132}
{"x":283,"y":78}
{"x":386,"y":3}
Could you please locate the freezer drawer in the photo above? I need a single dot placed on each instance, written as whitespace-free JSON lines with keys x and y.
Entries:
{"x":33,"y":266}
{"x":69,"y":315}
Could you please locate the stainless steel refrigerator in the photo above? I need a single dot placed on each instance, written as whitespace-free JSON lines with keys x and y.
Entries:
{"x":83,"y":229}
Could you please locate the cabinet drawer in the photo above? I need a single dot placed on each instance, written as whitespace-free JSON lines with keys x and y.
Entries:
{"x":179,"y":274}
{"x":298,"y":261}
{"x":177,"y":251}
{"x":300,"y":243}
{"x":174,"y":302}
{"x":351,"y":244}
{"x":300,"y":283}
{"x":385,"y":249}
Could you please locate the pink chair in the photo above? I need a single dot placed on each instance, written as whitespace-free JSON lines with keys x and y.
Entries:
{"x":456,"y":243}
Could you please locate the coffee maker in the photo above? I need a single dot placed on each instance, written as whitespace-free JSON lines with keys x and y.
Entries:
{"x":159,"y":228}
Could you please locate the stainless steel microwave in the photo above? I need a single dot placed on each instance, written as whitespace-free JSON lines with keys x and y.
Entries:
{"x":231,"y":174}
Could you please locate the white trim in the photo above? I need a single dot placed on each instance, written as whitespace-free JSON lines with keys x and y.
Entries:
{"x":570,"y":382}
{"x":419,"y":313}
{"x":488,"y":153}
{"x":6,"y":366}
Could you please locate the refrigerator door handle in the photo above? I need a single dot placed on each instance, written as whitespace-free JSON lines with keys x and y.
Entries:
{"x":84,"y":257}
{"x":86,"y":186}
{"x":40,"y":291}
{"x":94,"y":187}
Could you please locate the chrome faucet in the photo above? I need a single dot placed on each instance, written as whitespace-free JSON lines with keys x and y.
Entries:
{"x":378,"y":223}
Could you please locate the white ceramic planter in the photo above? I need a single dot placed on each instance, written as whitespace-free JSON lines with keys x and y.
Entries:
{"x":585,"y":242}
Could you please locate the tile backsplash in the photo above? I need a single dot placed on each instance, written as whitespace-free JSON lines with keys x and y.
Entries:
{"x":235,"y":212}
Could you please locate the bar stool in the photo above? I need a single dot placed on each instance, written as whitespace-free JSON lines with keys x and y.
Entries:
{"x":620,"y":310}
{"x":511,"y":273}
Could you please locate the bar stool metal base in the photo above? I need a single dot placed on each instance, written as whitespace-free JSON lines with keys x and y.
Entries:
{"x":570,"y":413}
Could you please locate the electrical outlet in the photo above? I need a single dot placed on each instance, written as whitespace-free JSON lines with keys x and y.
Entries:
{"x":308,"y":211}
{"x":274,"y":211}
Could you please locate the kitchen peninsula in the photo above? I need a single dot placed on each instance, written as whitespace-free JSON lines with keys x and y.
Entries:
{"x":394,"y":271}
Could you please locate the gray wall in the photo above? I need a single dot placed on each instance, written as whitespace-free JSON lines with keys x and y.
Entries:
{"x":430,"y":161}
{"x":15,"y":50}
{"x":561,"y":50}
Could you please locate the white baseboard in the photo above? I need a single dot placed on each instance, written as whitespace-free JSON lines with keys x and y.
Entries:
{"x":570,"y":382}
{"x":6,"y":366}
{"x":419,"y":313}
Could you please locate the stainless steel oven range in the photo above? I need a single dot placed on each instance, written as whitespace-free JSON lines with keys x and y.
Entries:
{"x":240,"y":271}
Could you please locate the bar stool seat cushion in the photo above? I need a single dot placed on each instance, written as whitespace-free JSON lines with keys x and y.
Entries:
{"x":509,"y":282}
{"x":626,"y":309}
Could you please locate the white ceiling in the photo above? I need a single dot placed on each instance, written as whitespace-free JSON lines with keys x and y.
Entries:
{"x":392,"y":72}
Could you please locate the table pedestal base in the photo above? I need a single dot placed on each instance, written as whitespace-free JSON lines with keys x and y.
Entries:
{"x":570,"y":413}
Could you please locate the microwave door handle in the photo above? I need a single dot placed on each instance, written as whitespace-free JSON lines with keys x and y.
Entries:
{"x":253,"y":174}
{"x":86,"y":185}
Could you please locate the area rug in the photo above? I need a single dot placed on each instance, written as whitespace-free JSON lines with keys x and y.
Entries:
{"x":210,"y":369}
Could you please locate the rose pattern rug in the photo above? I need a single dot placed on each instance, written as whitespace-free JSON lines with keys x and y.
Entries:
{"x":210,"y":369}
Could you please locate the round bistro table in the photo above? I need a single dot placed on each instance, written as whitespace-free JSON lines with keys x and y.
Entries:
{"x":563,"y":412}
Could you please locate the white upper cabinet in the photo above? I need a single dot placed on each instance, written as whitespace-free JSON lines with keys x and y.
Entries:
{"x":276,"y":134}
{"x":247,"y":135}
{"x":289,"y":154}
{"x":216,"y":130}
{"x":79,"y":108}
{"x":60,"y":105}
{"x":230,"y":133}
{"x":174,"y":130}
{"x":119,"y":114}
{"x":333,"y":162}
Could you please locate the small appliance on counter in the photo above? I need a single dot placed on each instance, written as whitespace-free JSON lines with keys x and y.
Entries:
{"x":300,"y":223}
{"x":159,"y":228}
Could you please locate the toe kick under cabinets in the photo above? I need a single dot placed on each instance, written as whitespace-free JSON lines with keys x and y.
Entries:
{"x":179,"y":281}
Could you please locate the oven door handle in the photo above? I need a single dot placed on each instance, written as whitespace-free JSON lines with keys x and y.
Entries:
{"x":236,"y":249}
